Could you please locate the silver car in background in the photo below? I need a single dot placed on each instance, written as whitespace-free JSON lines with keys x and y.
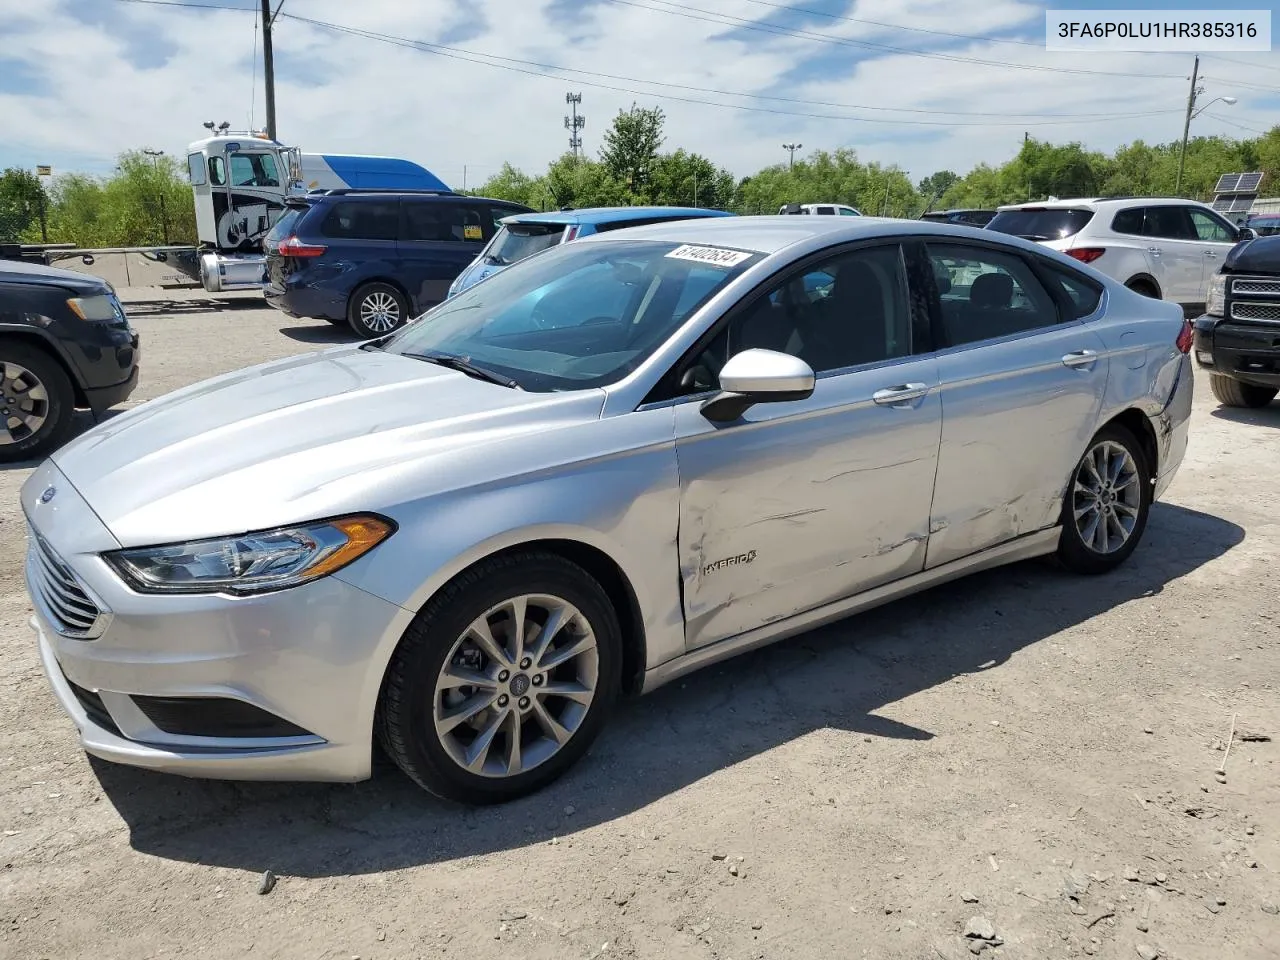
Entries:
{"x":612,"y":464}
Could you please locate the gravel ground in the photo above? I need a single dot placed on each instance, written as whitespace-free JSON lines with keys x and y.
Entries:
{"x":1024,"y":755}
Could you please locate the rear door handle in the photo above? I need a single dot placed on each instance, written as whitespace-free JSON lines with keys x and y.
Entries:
{"x":1154,"y":251}
{"x":903,"y":393}
{"x":1081,"y":358}
{"x":1211,"y":253}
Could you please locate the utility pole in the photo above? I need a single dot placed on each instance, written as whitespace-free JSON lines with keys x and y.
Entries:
{"x":792,"y":148}
{"x":155,"y":156}
{"x":575,"y":123}
{"x":1186,"y":125}
{"x":1026,"y":139}
{"x":269,"y":66}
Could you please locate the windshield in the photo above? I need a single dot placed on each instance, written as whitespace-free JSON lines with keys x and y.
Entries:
{"x":1041,"y":224}
{"x":580,"y":316}
{"x":515,"y":241}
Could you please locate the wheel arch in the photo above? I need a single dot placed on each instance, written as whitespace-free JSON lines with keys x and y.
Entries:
{"x":1139,"y":424}
{"x":47,"y":346}
{"x":1149,"y":280}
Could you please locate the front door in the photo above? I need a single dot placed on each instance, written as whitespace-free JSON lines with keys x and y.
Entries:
{"x":248,"y":196}
{"x":1022,"y":383}
{"x":438,"y":239}
{"x":801,"y":503}
{"x":1216,"y":237}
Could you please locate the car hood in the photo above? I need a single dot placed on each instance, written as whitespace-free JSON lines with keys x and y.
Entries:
{"x":297,"y":439}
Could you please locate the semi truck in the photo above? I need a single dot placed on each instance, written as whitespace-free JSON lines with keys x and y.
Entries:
{"x":239,"y":185}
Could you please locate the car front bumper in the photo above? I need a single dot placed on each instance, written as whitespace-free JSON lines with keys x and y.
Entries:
{"x":309,"y":660}
{"x":1245,"y":351}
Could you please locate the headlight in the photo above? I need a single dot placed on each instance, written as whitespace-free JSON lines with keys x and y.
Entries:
{"x":1216,"y":300}
{"x":94,"y":308}
{"x":252,"y":562}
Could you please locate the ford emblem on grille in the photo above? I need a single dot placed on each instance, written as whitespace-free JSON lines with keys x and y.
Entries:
{"x":49,"y":494}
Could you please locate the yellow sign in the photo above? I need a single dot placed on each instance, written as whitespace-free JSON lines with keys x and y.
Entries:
{"x":44,"y":170}
{"x":472,"y":231}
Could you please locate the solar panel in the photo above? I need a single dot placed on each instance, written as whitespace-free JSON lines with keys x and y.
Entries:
{"x":1238,"y":183}
{"x":1239,"y":203}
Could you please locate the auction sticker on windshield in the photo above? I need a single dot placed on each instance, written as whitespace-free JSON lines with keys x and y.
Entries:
{"x":715,"y":256}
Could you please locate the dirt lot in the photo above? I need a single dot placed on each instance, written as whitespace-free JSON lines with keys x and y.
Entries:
{"x":1023,"y":747}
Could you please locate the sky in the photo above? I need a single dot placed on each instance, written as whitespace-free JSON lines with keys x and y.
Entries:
{"x":461,"y":86}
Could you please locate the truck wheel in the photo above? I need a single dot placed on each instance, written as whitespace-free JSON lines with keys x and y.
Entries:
{"x":37,"y":403}
{"x":1233,"y":393}
{"x":376,"y":309}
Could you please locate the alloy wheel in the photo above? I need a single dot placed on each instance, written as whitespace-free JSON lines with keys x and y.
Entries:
{"x":379,"y":312}
{"x":516,"y":685}
{"x":24,"y":403}
{"x":1107,"y":497}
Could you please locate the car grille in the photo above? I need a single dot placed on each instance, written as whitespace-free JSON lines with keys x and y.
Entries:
{"x":1250,"y":285}
{"x":1266,"y":312}
{"x":61,"y":597}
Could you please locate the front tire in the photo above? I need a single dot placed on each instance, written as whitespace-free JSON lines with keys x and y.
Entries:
{"x":1104,"y":512}
{"x":1233,"y":393}
{"x":37,"y":403}
{"x":503,"y":680}
{"x":376,"y":309}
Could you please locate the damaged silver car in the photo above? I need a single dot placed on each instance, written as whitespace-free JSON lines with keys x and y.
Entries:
{"x":612,"y":464}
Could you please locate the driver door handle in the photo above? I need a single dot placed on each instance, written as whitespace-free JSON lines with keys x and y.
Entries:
{"x":1081,"y":358}
{"x":903,"y":393}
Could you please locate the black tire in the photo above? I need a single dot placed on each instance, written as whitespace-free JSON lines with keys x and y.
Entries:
{"x":1144,"y":287}
{"x":40,"y":372}
{"x":1073,"y":551}
{"x":405,"y":724}
{"x":1233,"y":393}
{"x":376,"y":309}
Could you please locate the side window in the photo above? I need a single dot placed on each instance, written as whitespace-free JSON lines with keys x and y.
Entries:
{"x":842,"y":312}
{"x":496,"y":213}
{"x":446,"y":222}
{"x":253,"y":170}
{"x":217,"y":171}
{"x":1128,"y":221}
{"x":1211,"y":229}
{"x":362,"y":220}
{"x":846,"y":212}
{"x":1083,"y":293}
{"x":1168,"y":223}
{"x":989,"y":294}
{"x":827,"y":211}
{"x":195,"y":169}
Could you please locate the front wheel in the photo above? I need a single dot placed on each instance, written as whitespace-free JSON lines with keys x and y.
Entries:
{"x":1233,"y":393}
{"x":503,"y":680}
{"x":1105,"y":510}
{"x":376,"y":309}
{"x":37,"y":403}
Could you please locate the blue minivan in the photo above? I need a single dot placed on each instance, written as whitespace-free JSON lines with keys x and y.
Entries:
{"x":373,"y":259}
{"x":524,"y":234}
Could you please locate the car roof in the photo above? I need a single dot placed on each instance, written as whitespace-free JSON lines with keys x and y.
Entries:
{"x":1098,"y":203}
{"x":597,"y":215}
{"x":770,"y":234}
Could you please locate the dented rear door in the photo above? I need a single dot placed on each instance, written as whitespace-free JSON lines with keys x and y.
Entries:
{"x":805,"y":502}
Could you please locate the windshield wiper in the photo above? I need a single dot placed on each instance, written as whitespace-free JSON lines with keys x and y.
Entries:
{"x":464,"y":365}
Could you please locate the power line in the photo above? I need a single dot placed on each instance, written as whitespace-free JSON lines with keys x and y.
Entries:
{"x":742,"y":23}
{"x":505,"y":63}
{"x":1236,"y":123}
{"x":897,"y":26}
{"x":188,"y":4}
{"x":1242,"y":63}
{"x":1242,"y":83}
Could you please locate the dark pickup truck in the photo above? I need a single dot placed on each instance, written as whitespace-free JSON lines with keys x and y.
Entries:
{"x":1238,"y":339}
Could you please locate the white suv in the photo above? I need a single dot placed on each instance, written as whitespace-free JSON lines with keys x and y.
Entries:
{"x":820,"y":209}
{"x":1164,"y":248}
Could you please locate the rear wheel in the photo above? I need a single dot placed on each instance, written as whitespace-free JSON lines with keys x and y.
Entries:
{"x":1104,"y":513}
{"x":37,"y":403}
{"x":376,"y":309}
{"x":503,"y":680}
{"x":1233,"y":393}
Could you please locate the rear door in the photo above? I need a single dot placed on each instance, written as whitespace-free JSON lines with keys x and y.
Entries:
{"x":1022,"y":383}
{"x":1171,"y":237}
{"x":438,"y":238}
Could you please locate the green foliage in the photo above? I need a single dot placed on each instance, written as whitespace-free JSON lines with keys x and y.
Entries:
{"x":824,"y":177}
{"x":631,"y":145}
{"x":21,"y":197}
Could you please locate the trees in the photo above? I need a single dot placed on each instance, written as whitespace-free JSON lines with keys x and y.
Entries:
{"x":631,"y":146}
{"x":21,"y":201}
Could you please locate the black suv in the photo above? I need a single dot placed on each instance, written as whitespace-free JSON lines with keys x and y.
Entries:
{"x":1238,"y":338}
{"x":65,"y":342}
{"x":374,"y":258}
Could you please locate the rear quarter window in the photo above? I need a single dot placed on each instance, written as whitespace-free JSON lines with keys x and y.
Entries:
{"x":1083,"y":293}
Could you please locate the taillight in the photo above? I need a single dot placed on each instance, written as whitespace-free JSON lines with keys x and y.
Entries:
{"x":570,"y":233}
{"x":293,"y":247}
{"x":1086,"y":254}
{"x":1186,"y":337}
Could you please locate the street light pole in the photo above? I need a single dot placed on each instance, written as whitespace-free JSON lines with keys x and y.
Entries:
{"x":1186,"y":125}
{"x":792,"y":148}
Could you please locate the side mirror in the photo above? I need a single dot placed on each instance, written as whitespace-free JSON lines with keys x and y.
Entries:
{"x":1246,"y":233}
{"x":758,"y":376}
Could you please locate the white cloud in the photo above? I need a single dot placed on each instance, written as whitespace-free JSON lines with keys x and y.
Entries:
{"x":343,"y":93}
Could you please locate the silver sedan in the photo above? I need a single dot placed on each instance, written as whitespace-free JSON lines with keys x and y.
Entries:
{"x":616,"y":462}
